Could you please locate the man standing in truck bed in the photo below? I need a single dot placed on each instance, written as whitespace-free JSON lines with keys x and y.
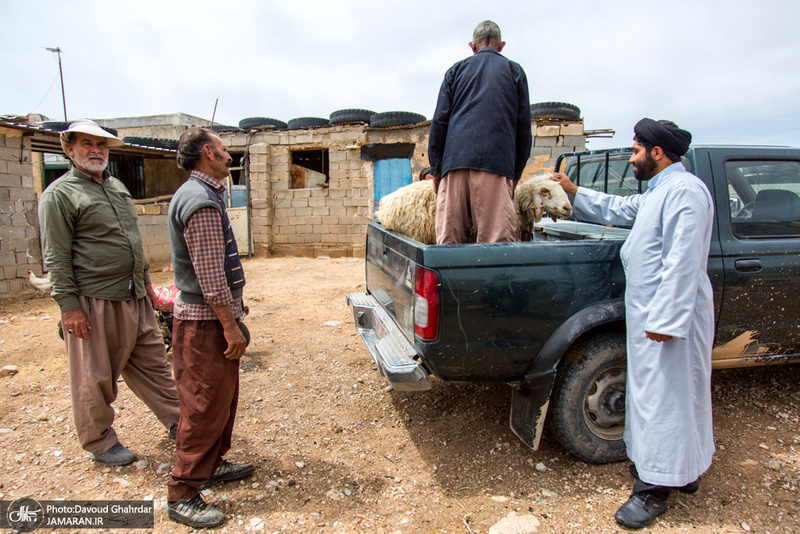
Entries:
{"x":670,"y":317}
{"x":480,"y":141}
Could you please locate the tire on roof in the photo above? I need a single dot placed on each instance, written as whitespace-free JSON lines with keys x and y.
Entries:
{"x":56,"y":126}
{"x":257,"y":122}
{"x":555,"y":110}
{"x":307,"y":122}
{"x":154,"y":142}
{"x":395,"y":118}
{"x":223,"y":128}
{"x":60,"y":126}
{"x":351,"y":116}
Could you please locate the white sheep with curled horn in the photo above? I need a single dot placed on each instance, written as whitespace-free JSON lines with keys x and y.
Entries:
{"x":411,"y":210}
{"x":535,"y":197}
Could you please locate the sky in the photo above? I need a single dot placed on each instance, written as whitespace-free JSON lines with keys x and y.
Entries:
{"x":727,"y":71}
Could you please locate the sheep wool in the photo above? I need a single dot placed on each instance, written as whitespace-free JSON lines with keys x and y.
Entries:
{"x":411,"y":211}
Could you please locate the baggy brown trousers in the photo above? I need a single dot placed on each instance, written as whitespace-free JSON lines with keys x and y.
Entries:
{"x":467,"y":198}
{"x":124,"y":340}
{"x":208,"y":388}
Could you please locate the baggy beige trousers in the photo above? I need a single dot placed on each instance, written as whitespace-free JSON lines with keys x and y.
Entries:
{"x":125,"y":340}
{"x":468,"y":198}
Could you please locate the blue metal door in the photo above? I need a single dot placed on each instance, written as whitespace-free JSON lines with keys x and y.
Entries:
{"x":391,"y":175}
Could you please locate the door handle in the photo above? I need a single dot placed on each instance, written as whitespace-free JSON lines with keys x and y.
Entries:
{"x":748,"y":266}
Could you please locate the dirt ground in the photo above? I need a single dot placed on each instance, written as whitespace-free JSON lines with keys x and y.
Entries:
{"x":337,"y":452}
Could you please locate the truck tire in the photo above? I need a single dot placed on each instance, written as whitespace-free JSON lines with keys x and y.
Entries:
{"x":259,"y":122}
{"x":395,"y":118}
{"x":56,"y":126}
{"x":224,"y":128}
{"x":307,"y":122}
{"x":555,"y":111}
{"x":351,"y":116}
{"x":60,"y":126}
{"x":588,"y":402}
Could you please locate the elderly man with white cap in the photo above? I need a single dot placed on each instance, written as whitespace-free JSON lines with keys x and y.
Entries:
{"x":93,"y":249}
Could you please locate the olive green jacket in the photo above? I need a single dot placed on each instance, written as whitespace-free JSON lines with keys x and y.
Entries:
{"x":91,"y":240}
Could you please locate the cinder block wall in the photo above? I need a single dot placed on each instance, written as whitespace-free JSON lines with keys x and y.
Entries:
{"x":314,"y":221}
{"x":20,"y":248}
{"x":550,"y":140}
{"x":153,"y":227}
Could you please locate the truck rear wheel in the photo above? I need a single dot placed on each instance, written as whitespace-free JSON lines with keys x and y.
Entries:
{"x":588,"y":403}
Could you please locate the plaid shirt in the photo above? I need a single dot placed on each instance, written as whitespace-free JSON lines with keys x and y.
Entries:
{"x":206,"y":244}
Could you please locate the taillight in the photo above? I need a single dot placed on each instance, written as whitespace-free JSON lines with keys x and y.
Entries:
{"x":426,"y":304}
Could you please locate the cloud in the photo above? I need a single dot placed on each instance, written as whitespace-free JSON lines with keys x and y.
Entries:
{"x":724,"y":70}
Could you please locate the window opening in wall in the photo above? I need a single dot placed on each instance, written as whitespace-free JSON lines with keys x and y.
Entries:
{"x":237,"y":185}
{"x":130,"y":171}
{"x":54,"y":165}
{"x":237,"y":176}
{"x":309,"y":168}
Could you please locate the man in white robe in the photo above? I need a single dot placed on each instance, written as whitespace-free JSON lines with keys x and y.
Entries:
{"x":669,"y":315}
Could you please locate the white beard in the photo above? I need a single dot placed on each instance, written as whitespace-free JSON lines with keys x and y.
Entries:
{"x":90,"y":164}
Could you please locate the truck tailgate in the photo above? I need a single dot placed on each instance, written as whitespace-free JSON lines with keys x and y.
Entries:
{"x":384,"y":316}
{"x":391,"y":264}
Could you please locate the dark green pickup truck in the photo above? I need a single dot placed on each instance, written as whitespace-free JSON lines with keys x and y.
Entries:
{"x":547,"y":315}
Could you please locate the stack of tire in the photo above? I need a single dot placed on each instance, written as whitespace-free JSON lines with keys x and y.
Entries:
{"x":343,"y":116}
{"x":555,"y":111}
{"x":257,"y":123}
{"x":351,"y":116}
{"x":301,"y":123}
{"x":224,"y":128}
{"x":395,"y":118}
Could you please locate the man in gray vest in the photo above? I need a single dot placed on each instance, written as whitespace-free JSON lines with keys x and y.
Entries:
{"x":208,"y":338}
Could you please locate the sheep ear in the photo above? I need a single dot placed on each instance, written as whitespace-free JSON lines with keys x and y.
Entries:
{"x":538,"y":202}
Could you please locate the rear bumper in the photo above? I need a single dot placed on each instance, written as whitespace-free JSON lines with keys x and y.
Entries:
{"x":392,"y":352}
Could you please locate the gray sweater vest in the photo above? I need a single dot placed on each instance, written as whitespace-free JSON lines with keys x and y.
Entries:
{"x":190,"y":197}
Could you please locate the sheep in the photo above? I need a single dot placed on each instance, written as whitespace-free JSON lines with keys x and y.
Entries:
{"x":535,"y":197}
{"x":411,"y":210}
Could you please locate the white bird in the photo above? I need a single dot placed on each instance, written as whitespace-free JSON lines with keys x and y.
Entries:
{"x":42,"y":284}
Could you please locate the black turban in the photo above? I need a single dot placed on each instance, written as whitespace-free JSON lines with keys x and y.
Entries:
{"x":669,"y":138}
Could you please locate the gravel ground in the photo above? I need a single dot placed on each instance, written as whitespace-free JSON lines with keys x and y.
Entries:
{"x":337,"y":452}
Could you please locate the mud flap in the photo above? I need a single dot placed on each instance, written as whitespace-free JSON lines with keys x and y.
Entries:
{"x":529,"y":402}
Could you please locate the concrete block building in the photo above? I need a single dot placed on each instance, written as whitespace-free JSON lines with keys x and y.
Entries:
{"x":360,"y":165}
{"x":302,"y":191}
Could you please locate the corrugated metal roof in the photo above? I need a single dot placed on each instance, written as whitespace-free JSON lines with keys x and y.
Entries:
{"x":43,"y":140}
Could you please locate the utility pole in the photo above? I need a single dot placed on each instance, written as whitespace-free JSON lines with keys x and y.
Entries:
{"x":57,"y":50}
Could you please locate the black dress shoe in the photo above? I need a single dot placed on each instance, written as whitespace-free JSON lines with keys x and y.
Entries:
{"x":690,"y":488}
{"x":640,"y":510}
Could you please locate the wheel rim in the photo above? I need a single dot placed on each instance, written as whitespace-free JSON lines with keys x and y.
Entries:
{"x":604,"y":405}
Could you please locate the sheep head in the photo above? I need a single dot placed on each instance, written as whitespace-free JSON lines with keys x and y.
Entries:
{"x":554,"y":201}
{"x":537,"y":196}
